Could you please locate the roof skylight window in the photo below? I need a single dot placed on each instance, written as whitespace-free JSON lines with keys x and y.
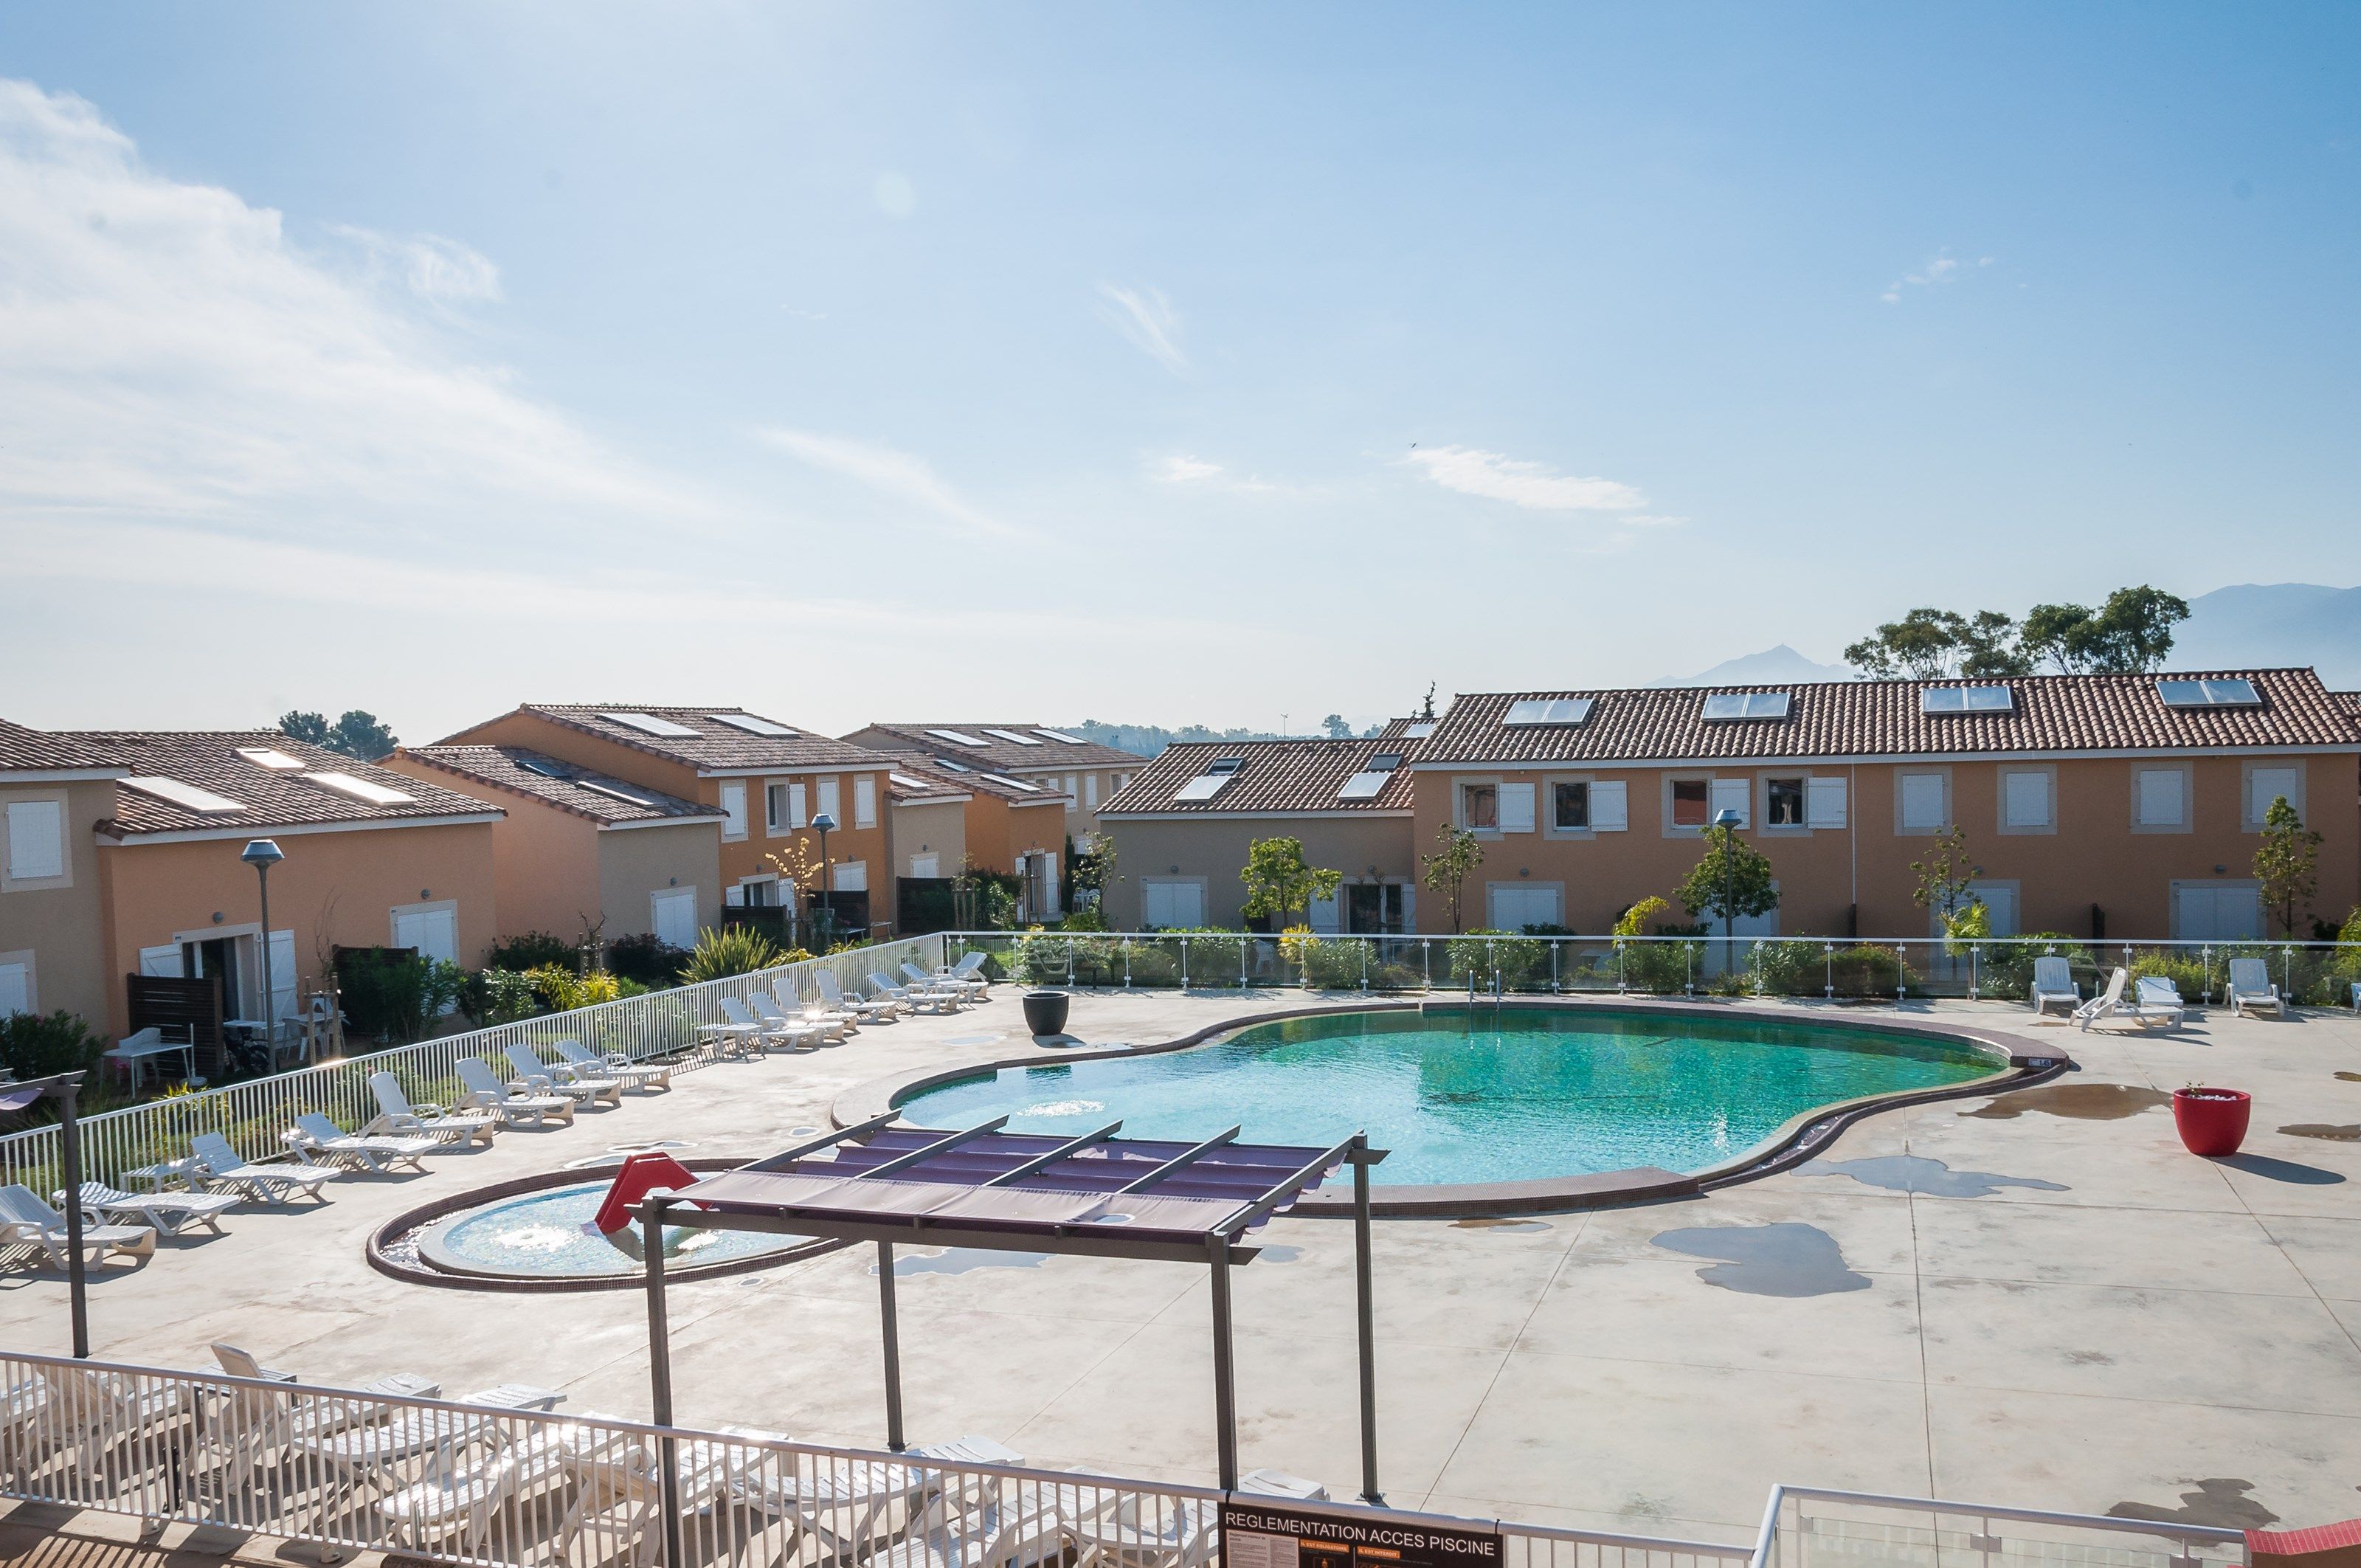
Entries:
{"x":187,"y":795}
{"x":269,"y":757}
{"x":958,"y":738}
{"x":361,"y":789}
{"x":1012,"y":783}
{"x":1226,"y":764}
{"x":615,"y":792}
{"x":907,"y":782}
{"x":1420,"y":729}
{"x":753,"y":724}
{"x":1968,"y":700}
{"x":1206,"y":786}
{"x":955,"y":767}
{"x":1013,"y":738}
{"x":1061,"y":735}
{"x":1530,"y":710}
{"x":543,"y":766}
{"x":2214,"y":693}
{"x":649,"y":724}
{"x":1719,"y":706}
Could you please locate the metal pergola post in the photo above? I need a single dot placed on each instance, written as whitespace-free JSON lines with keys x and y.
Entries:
{"x":1225,"y":1398}
{"x":1365,"y":1292}
{"x":893,"y":1337}
{"x":660,"y":1376}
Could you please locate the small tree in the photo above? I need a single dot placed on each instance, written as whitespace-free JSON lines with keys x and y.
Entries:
{"x":1448,"y":869}
{"x":2288,"y":864}
{"x":1943,"y":876}
{"x":357,"y":734}
{"x":1280,"y":881}
{"x":1336,"y":727}
{"x":1732,"y":880}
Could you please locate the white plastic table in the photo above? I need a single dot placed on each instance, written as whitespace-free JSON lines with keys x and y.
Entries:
{"x":131,"y":1058}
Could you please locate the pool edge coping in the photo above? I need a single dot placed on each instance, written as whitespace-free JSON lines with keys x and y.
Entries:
{"x":2026,"y":1062}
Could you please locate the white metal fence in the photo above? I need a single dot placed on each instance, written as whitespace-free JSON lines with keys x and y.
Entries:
{"x":479,"y":1480}
{"x":2310,"y":973}
{"x":253,"y":1115}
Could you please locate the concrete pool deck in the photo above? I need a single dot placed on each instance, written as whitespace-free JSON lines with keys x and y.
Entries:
{"x":2038,"y":1299}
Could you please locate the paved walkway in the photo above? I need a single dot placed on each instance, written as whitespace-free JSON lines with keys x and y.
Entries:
{"x":2040,"y":1300}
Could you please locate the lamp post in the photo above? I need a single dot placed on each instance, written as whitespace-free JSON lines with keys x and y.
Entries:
{"x":63,"y":1087}
{"x":1727,"y":817}
{"x":825,"y":824}
{"x":263,"y":854}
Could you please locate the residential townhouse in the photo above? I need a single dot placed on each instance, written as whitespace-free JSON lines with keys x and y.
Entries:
{"x":52,"y":922}
{"x":581,"y":850}
{"x":373,"y":858}
{"x":2120,"y":806}
{"x":1183,"y":825}
{"x":769,"y":781}
{"x":947,"y":816}
{"x":1085,"y":772}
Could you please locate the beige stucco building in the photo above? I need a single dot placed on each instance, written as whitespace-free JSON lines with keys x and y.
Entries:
{"x":52,"y":921}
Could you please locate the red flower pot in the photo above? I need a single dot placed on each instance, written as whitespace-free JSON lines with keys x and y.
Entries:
{"x":2213,"y":1121}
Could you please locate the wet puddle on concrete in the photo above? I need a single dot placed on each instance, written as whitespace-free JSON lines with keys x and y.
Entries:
{"x":965,"y":1260}
{"x":1787,"y":1258}
{"x":2349,"y":1078}
{"x":1487,"y":1224}
{"x":2347,"y":1133}
{"x":2218,"y":1503}
{"x":1932,"y":1178}
{"x":2075,"y":1101}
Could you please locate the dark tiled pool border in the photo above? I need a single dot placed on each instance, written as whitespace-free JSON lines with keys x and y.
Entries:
{"x":2028,"y":1061}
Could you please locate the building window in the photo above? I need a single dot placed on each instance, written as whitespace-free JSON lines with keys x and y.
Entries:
{"x":37,"y":840}
{"x":2027,"y":803}
{"x":830,"y":802}
{"x":1689,"y":798}
{"x":1921,"y":803}
{"x":2160,"y":797}
{"x":2267,"y":783}
{"x":1479,"y":808}
{"x":1570,"y":806}
{"x":864,"y":800}
{"x":733,"y":811}
{"x":1782,"y":804}
{"x":1091,"y":791}
{"x":1516,"y":808}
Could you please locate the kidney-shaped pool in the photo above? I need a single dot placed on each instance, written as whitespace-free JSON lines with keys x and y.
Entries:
{"x":1463,"y":1098}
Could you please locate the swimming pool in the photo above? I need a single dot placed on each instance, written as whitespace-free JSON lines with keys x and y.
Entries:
{"x":1464,"y":1098}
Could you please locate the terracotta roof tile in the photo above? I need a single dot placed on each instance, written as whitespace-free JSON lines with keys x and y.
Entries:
{"x":265,"y":797}
{"x":919,"y":775}
{"x":1866,"y":718}
{"x":1272,"y":775}
{"x":35,"y":750}
{"x":713,"y":744}
{"x":585,"y":792}
{"x":1007,"y":756}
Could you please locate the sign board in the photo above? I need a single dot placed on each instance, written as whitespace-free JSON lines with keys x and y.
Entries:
{"x":1276,"y":1535}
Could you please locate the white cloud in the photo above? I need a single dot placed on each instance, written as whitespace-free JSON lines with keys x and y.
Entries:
{"x":1940,"y":269}
{"x":1148,"y":319}
{"x":1533,"y":486}
{"x":1188,"y":470}
{"x":1181,"y":468}
{"x":428,"y":264}
{"x":898,"y":476}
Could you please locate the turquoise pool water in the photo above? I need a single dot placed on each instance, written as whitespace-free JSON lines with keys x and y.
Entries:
{"x":1509,"y":1097}
{"x":540,"y":1235}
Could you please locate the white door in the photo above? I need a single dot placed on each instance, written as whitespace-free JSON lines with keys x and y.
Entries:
{"x":1999,"y":900}
{"x":1048,"y":859}
{"x":1173,"y":905}
{"x":926,"y":868}
{"x":282,"y":974}
{"x":674,"y":913}
{"x":15,"y":989}
{"x":1324,"y":916}
{"x":1514,"y":906}
{"x":433,"y":932}
{"x":850,"y":876}
{"x":162,"y":963}
{"x":2211,"y":912}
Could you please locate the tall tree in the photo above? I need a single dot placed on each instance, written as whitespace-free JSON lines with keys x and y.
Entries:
{"x":1732,"y":883}
{"x":1448,"y":869}
{"x":1280,"y":881}
{"x":1927,"y":644}
{"x":1944,"y":875}
{"x":357,"y":734}
{"x":2129,"y":634}
{"x":1336,"y":727}
{"x":2288,"y":864}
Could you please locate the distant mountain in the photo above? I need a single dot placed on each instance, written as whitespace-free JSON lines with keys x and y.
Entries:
{"x":1780,"y":664}
{"x":2273,"y":623}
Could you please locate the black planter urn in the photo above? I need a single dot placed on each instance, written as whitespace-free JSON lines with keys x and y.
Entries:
{"x":1045,"y":1011}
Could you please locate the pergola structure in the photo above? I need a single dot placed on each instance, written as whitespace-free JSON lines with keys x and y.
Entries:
{"x":1096,"y":1196}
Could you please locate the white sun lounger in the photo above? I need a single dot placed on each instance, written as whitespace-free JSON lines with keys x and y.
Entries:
{"x":912,"y":999}
{"x":167,"y":1213}
{"x":2160,"y":998}
{"x":795,"y":1025}
{"x":534,"y":1076}
{"x":2251,"y":988}
{"x":581,"y":1058}
{"x":743,"y":1034}
{"x":2053,"y":986}
{"x":397,"y":1115}
{"x":841,"y":1022}
{"x":26,"y":1219}
{"x":859,"y":1006}
{"x":943,"y":980}
{"x":484,"y":1091}
{"x":96,"y":1412}
{"x":218,"y":1166}
{"x":318,"y":1141}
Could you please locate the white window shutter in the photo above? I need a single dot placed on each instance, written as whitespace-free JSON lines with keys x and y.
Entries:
{"x":1322,"y":915}
{"x":283,"y":978}
{"x":864,"y":800}
{"x":1824,"y":803}
{"x":1516,"y":808}
{"x":797,"y":816}
{"x":850,"y":876}
{"x":2160,"y":802}
{"x":734,"y":897}
{"x":2268,"y":784}
{"x":1922,"y":801}
{"x":1733,"y":794}
{"x":36,"y":840}
{"x":1091,"y":791}
{"x":733,"y":811}
{"x":15,"y":989}
{"x":1610,"y":809}
{"x":162,"y":962}
{"x":830,"y":802}
{"x":2025,"y":797}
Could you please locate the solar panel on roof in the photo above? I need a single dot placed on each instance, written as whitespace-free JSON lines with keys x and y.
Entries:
{"x":181,"y":794}
{"x":1204,"y":786}
{"x":1061,"y":735}
{"x":1966,"y":699}
{"x":546,"y":769}
{"x":614,"y":792}
{"x":1531,"y":710}
{"x":1013,"y":738}
{"x":649,"y":724}
{"x":1420,"y":729}
{"x":360,"y":789}
{"x":1012,"y":783}
{"x":271,"y":758}
{"x":750,"y":723}
{"x":1363,"y":785}
{"x":955,"y":767}
{"x":957,"y":737}
{"x":2218,"y":693}
{"x":1721,"y":706}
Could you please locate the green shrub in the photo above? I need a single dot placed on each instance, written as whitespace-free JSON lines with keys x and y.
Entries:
{"x":2186,"y":970}
{"x":1332,"y":963}
{"x":532,"y":951}
{"x":647,"y":958}
{"x":1662,"y":968}
{"x":396,"y":996}
{"x":724,"y":951}
{"x":505,"y":996}
{"x":1522,"y":961}
{"x":1790,"y":967}
{"x":35,"y":1045}
{"x":1868,"y":970}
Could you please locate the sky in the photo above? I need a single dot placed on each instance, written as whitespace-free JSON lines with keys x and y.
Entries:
{"x":1227,"y":365}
